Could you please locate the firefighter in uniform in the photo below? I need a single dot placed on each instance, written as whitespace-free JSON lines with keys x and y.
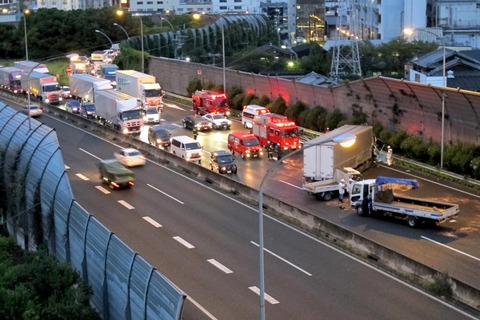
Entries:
{"x":195,"y":133}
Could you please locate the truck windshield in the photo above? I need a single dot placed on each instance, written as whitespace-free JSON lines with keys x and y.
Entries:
{"x":289,"y":133}
{"x":50,"y":88}
{"x":131,"y":114}
{"x":153,"y":93}
{"x":220,"y":103}
{"x":16,"y":83}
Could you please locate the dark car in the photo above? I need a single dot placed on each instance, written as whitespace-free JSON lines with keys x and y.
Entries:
{"x":72,"y":105}
{"x":159,"y":136}
{"x":189,"y":122}
{"x":223,"y":162}
{"x":87,"y":110}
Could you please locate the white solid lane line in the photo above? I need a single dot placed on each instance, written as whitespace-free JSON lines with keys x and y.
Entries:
{"x":90,"y":154}
{"x":453,"y":249}
{"x":220,"y":266}
{"x":284,"y":260}
{"x":183,"y":242}
{"x":102,"y":189}
{"x":126,"y":204}
{"x":267,"y":297}
{"x":152,"y":222}
{"x":156,"y":189}
{"x":81,"y":176}
{"x":292,"y":185}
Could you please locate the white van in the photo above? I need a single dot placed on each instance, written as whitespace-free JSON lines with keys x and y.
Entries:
{"x":187,"y":148}
{"x":249,"y":112}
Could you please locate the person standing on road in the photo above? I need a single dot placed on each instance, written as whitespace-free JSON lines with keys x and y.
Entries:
{"x":389,"y":156}
{"x":195,"y":133}
{"x":341,"y":193}
{"x":269,"y":149}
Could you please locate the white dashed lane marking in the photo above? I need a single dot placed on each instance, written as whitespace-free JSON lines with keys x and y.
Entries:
{"x":220,"y":266}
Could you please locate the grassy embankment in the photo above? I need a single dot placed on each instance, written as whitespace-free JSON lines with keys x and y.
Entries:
{"x":56,"y":68}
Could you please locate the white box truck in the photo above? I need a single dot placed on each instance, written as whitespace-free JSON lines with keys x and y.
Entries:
{"x":28,"y":66}
{"x":328,"y":160}
{"x":84,"y":86}
{"x":44,"y":86}
{"x":329,"y":153}
{"x":118,"y":110}
{"x":142,"y":86}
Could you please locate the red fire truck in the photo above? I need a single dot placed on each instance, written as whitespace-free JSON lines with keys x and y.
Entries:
{"x":205,"y":101}
{"x":277,"y":130}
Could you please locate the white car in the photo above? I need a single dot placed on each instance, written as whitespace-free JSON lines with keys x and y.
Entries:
{"x":35,"y":110}
{"x":130,"y":157}
{"x":66,"y":92}
{"x":218,"y":121}
{"x":152,"y":115}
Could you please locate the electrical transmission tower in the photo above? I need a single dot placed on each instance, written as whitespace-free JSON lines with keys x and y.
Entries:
{"x":345,"y":56}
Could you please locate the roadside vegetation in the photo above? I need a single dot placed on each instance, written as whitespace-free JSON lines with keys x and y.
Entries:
{"x":34,"y":285}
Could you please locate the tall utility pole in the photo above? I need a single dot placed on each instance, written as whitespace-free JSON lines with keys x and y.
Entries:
{"x":345,"y":56}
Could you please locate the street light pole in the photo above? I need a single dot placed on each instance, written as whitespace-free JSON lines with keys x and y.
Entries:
{"x":141,"y":41}
{"x":409,"y":32}
{"x":442,"y":145}
{"x":349,"y":140}
{"x":25,"y":29}
{"x":111,"y":42}
{"x":223,"y":55}
{"x":165,"y":19}
{"x":116,"y":24}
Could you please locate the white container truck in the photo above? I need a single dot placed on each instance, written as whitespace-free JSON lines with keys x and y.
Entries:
{"x":142,"y":86}
{"x":376,"y":197}
{"x":84,"y":86}
{"x":329,"y":152}
{"x":118,"y":110}
{"x":327,"y":161}
{"x":44,"y":86}
{"x":28,"y":66}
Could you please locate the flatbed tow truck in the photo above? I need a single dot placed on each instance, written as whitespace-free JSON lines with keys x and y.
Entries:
{"x":375,"y":197}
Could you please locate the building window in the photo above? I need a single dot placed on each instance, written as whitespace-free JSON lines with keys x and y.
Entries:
{"x":139,"y":2}
{"x":149,"y":2}
{"x":159,"y":2}
{"x":223,"y":1}
{"x":237,"y":7}
{"x":223,"y":7}
{"x":238,"y":1}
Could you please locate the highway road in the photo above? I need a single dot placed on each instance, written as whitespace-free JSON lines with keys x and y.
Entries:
{"x":205,"y":242}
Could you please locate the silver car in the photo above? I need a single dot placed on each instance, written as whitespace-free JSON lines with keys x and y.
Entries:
{"x":33,"y":109}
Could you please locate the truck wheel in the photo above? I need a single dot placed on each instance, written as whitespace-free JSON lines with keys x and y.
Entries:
{"x":412,"y":221}
{"x":360,"y":211}
{"x":327,"y":196}
{"x":243,"y":156}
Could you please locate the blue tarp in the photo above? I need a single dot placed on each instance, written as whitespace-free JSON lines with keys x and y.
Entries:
{"x":408,"y":182}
